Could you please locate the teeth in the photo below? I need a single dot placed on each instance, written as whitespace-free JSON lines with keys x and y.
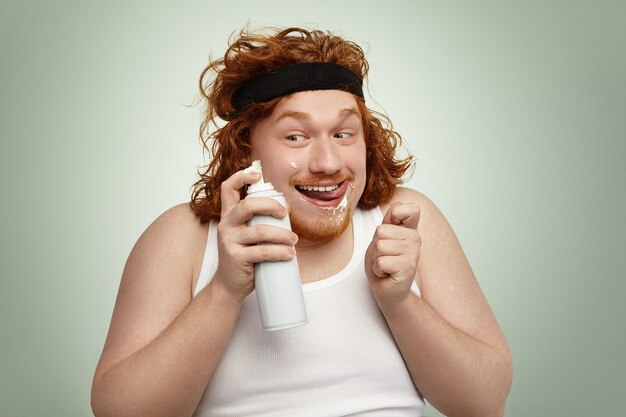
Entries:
{"x":318,"y":188}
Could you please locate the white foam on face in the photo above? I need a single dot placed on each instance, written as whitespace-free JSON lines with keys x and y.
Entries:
{"x":293,"y":165}
{"x":343,"y":205}
{"x":335,"y":217}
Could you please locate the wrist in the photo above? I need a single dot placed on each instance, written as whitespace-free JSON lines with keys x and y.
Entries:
{"x":225,"y":295}
{"x":398,"y":309}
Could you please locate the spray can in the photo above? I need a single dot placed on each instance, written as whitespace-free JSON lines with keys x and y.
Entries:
{"x":277,"y":283}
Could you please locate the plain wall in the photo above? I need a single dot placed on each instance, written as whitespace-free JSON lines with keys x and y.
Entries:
{"x":514,"y":110}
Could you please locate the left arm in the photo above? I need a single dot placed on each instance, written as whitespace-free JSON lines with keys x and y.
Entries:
{"x":449,"y":338}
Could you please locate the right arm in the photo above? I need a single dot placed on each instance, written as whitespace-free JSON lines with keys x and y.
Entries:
{"x":163,"y":347}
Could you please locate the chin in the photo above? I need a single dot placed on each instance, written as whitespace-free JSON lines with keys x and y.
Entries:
{"x":328,"y":225}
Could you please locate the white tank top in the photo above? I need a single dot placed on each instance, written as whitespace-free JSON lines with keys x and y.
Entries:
{"x":343,"y":362}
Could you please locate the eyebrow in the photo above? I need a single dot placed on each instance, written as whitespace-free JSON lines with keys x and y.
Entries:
{"x":343,"y":113}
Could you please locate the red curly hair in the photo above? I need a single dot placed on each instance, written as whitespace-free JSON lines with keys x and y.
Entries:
{"x":228,"y":146}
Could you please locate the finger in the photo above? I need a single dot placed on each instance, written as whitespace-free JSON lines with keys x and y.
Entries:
{"x":403,"y":214}
{"x":268,"y":252}
{"x":249,"y":207}
{"x":386,"y":266}
{"x":391,"y":247}
{"x":378,"y":271}
{"x":390,"y":231}
{"x":374,"y":265}
{"x":263,"y":233}
{"x":230,"y":189}
{"x":392,"y":265}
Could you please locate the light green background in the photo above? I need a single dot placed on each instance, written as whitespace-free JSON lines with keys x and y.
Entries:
{"x":515,"y":111}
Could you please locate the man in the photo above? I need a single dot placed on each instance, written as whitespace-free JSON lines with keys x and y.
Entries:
{"x":395,"y":313}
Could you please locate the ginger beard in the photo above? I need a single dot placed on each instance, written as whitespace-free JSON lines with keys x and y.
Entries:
{"x":328,"y":222}
{"x":327,"y":225}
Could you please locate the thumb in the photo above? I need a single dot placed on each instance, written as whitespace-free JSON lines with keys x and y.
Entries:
{"x":403,"y":214}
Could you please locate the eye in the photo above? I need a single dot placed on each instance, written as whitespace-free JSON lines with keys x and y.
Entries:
{"x":295,"y":138}
{"x":342,"y":135}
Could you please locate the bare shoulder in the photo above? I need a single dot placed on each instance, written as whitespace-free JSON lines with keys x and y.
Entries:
{"x":435,"y":231}
{"x":408,"y":195}
{"x":177,"y":220}
{"x":432,"y":220}
{"x":167,"y":254}
{"x":176,"y":235}
{"x":156,"y":282}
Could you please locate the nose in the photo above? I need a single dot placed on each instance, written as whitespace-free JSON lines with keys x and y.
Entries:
{"x":325,"y":157}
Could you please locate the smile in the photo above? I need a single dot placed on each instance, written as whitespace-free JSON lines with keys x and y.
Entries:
{"x":329,"y":195}
{"x":317,"y":187}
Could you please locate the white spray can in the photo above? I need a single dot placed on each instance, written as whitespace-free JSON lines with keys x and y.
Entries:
{"x":277,"y":283}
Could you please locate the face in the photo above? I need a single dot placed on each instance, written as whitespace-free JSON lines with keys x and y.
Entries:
{"x":312,"y":149}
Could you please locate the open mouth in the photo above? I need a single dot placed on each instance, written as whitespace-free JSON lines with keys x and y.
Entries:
{"x":324,"y":195}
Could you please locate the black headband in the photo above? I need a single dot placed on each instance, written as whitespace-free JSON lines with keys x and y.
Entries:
{"x":305,"y":76}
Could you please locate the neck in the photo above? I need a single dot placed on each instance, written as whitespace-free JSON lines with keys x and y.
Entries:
{"x":321,"y":259}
